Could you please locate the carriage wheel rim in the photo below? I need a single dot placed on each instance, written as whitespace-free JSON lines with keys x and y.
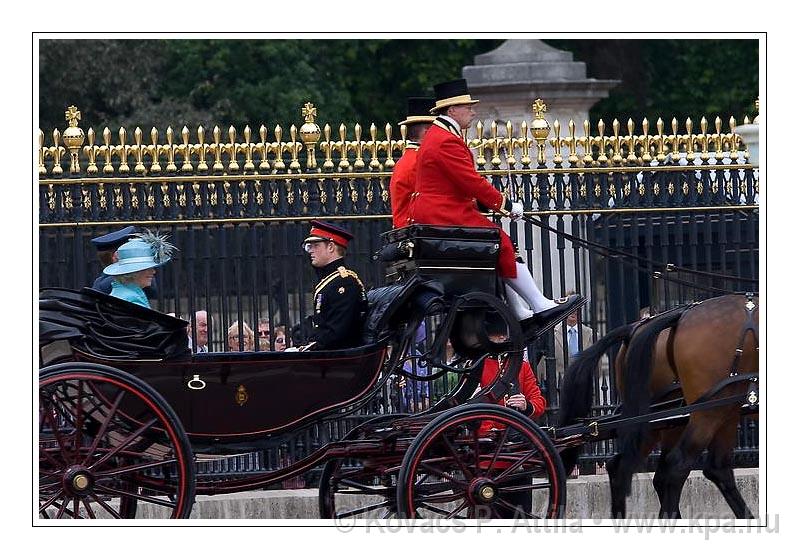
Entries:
{"x":154,"y":408}
{"x":553,"y":509}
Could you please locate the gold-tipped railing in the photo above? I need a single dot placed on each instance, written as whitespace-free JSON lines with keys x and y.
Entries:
{"x":356,"y":150}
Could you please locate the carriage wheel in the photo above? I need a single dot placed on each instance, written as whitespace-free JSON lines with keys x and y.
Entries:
{"x":350,"y":487}
{"x":460,"y":466}
{"x":108,"y":441}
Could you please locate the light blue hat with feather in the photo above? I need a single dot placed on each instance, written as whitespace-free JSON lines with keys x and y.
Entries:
{"x":144,"y":250}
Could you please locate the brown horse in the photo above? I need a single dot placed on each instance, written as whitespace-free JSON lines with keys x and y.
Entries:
{"x":697,"y":346}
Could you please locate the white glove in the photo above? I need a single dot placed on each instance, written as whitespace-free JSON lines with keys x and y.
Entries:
{"x":292,"y":349}
{"x":516,"y":210}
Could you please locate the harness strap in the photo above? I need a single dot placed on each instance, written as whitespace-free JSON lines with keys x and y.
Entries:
{"x":749,"y":326}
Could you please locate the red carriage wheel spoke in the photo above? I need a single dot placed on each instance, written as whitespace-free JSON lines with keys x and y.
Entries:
{"x":497,"y":451}
{"x":434,"y":509}
{"x":515,"y":509}
{"x":364,"y":509}
{"x":47,"y":454}
{"x":62,"y":446}
{"x":104,"y":426}
{"x":105,"y":506}
{"x":437,"y":472}
{"x":364,"y":489}
{"x":127,"y":441}
{"x":152,"y":500}
{"x":455,"y":454}
{"x":459,"y":509}
{"x":132,"y":468}
{"x":88,"y":508}
{"x":515,"y":466}
{"x":79,"y":418}
{"x":51,"y":501}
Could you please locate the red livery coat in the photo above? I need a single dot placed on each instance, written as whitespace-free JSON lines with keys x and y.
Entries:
{"x":527,"y":385}
{"x":401,"y":186}
{"x":448,"y":187}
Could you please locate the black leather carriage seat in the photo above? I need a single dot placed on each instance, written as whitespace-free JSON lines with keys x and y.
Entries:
{"x":461,"y":259}
{"x":391,"y":304}
{"x":100,"y":325}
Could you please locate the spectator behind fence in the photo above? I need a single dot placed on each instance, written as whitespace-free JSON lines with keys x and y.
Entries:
{"x":201,"y":328}
{"x":579,"y":337}
{"x":263,"y":335}
{"x":136,"y":265}
{"x":281,"y":341}
{"x":244,"y":342}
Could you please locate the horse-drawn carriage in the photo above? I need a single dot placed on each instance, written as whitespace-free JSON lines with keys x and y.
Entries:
{"x":126,"y":411}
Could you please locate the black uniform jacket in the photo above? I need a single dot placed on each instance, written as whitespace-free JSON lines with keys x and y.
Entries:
{"x":340,"y":304}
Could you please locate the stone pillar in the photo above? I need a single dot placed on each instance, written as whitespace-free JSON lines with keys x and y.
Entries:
{"x":508,"y":79}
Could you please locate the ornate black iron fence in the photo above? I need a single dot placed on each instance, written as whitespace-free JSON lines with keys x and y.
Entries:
{"x":238,"y":212}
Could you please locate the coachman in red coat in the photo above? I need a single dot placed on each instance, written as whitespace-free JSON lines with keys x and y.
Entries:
{"x":404,"y":176}
{"x":448,"y":190}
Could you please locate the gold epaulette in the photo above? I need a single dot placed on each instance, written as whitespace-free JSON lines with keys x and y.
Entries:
{"x":340,"y":272}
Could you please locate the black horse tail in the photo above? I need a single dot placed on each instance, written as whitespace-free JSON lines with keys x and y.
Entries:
{"x":636,"y":397}
{"x":576,"y":390}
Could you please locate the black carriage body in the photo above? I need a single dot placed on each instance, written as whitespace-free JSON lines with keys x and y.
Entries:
{"x":462,"y":259}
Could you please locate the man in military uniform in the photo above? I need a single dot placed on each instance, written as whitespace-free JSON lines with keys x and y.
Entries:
{"x":404,"y":175}
{"x":340,"y":301}
{"x":448,"y":191}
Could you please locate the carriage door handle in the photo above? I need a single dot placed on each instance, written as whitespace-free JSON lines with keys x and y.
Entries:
{"x":196,"y":383}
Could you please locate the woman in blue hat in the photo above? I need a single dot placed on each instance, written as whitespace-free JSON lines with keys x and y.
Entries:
{"x":136,"y":266}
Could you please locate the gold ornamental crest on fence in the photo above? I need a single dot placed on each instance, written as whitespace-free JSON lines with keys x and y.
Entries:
{"x":373,"y":152}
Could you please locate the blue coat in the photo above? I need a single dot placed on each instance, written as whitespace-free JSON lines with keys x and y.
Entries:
{"x":103,"y":284}
{"x":129,"y":292}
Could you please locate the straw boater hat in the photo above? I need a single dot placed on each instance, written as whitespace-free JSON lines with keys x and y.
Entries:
{"x":419,"y":110}
{"x":145,"y":250}
{"x":451,"y":93}
{"x":324,"y":231}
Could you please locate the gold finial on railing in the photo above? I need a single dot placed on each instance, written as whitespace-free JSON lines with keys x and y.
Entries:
{"x":556,"y":143}
{"x":704,"y":155}
{"x":525,"y":160}
{"x":661,"y":153}
{"x":733,"y":139}
{"x":359,"y":146}
{"x":170,"y":148}
{"x":277,"y":149}
{"x":57,"y":152}
{"x":676,"y":139}
{"x":155,"y":151}
{"x":248,"y":146}
{"x":202,"y":149}
{"x":573,"y":144}
{"x":107,"y":151}
{"x":73,"y":137}
{"x":632,"y":158}
{"x":122,"y":151}
{"x":718,"y":139}
{"x":601,"y":131}
{"x":689,"y":141}
{"x":42,"y":149}
{"x":586,"y":141}
{"x":344,"y":148}
{"x":216,"y":147}
{"x":645,"y":140}
{"x":494,"y":145}
{"x":389,"y":144}
{"x":262,"y":148}
{"x":510,"y":144}
{"x":616,"y":155}
{"x":372,"y":147}
{"x":186,"y":151}
{"x":327,"y":148}
{"x":294,"y":147}
{"x":138,"y":151}
{"x":310,"y":134}
{"x":232,"y":148}
{"x":540,"y":128}
{"x":480,"y":158}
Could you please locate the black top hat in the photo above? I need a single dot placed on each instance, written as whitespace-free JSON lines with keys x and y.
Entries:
{"x":324,"y":231}
{"x":450,"y":93}
{"x":112,"y":241}
{"x":419,"y":110}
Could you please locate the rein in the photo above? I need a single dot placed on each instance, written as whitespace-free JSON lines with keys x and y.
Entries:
{"x":642,"y":263}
